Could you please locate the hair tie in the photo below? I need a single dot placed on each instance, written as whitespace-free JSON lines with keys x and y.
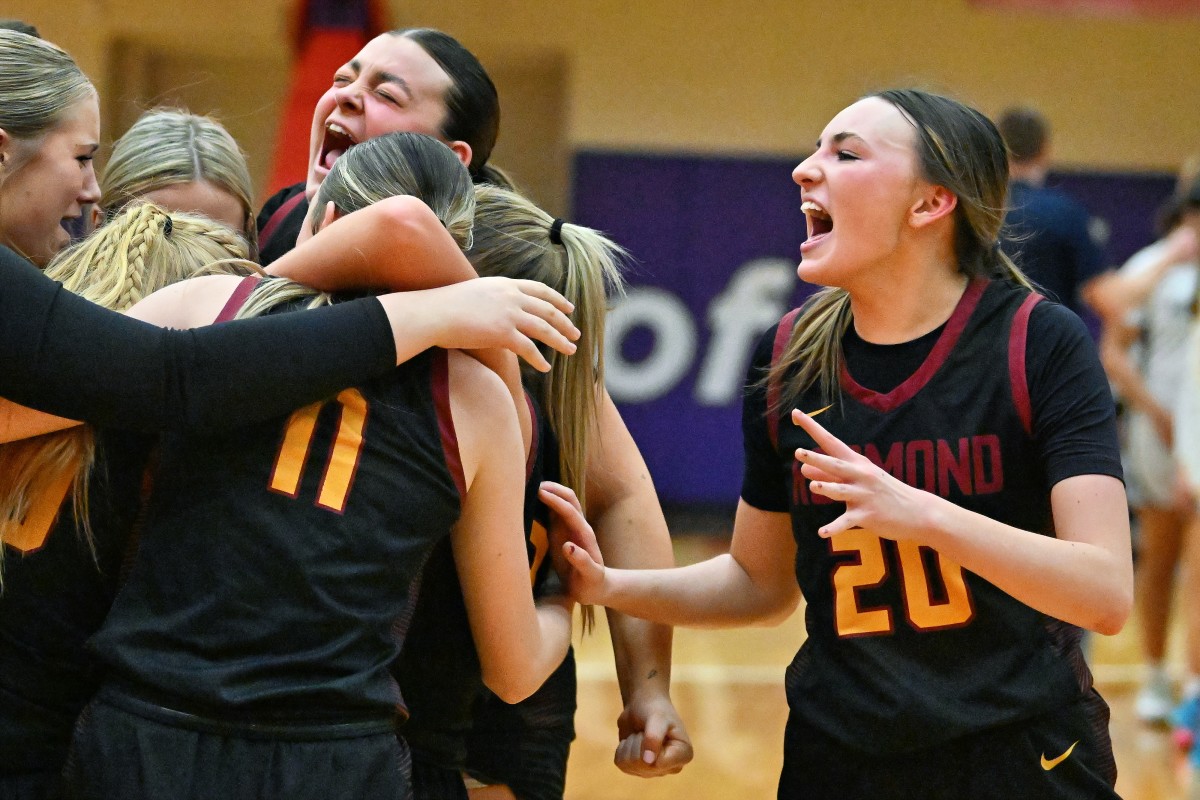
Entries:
{"x":556,"y":231}
{"x":168,"y":226}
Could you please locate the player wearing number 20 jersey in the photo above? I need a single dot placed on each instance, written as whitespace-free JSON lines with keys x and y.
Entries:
{"x":905,"y":649}
{"x":272,"y":589}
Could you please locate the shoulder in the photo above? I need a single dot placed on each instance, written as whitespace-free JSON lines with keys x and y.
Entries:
{"x":1052,"y":322}
{"x":485,"y":421}
{"x":188,"y":304}
{"x":474,"y":388}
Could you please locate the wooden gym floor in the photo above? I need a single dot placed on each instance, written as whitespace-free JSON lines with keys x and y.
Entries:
{"x":728,"y":686}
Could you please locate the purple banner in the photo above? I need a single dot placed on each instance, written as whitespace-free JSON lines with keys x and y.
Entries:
{"x":715,"y":243}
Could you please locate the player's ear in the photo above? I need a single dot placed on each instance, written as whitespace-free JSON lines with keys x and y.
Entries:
{"x":932,"y":204}
{"x":316,"y":220}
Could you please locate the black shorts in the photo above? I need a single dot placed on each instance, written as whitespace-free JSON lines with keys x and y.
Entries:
{"x":525,"y":745}
{"x":1065,"y":754}
{"x":118,"y":754}
{"x":31,"y":786}
{"x":432,"y":782}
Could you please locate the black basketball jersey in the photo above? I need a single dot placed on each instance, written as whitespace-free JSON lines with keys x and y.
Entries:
{"x":55,"y":594}
{"x":280,"y":221}
{"x":277,"y":567}
{"x":906,"y":648}
{"x":438,"y":669}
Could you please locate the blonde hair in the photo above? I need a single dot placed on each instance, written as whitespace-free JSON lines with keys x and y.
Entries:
{"x":167,"y":147}
{"x":386,"y":166}
{"x":958,"y":148}
{"x":140,"y":251}
{"x":39,"y":85}
{"x":513,"y":239}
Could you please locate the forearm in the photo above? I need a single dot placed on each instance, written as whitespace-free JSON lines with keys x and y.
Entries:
{"x":1122,"y":372}
{"x":632,"y":534}
{"x":397,"y":244}
{"x":1117,"y":293}
{"x":544,"y":648}
{"x":1086,"y":584}
{"x":717,"y":593}
{"x":61,"y":354}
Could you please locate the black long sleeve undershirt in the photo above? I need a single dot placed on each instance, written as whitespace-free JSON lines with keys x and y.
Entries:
{"x":62,"y":354}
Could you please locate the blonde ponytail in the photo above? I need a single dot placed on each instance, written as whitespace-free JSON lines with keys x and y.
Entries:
{"x":513,"y":239}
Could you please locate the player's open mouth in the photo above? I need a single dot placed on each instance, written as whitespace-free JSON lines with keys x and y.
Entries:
{"x":335,"y":144}
{"x":820,"y":223}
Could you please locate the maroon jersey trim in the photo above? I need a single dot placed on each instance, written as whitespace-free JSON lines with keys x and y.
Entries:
{"x":783,"y":335}
{"x":238,"y":299}
{"x":264,"y":236}
{"x":441,"y":402}
{"x":531,"y":456}
{"x":933,"y":362}
{"x":1017,"y":339}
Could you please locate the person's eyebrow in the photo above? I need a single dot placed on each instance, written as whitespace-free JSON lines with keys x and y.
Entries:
{"x":389,"y":77}
{"x":838,"y":138}
{"x":354,"y":65}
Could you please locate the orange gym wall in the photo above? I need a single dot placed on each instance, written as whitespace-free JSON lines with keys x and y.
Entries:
{"x":702,"y":75}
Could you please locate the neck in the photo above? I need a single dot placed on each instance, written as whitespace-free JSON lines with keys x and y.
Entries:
{"x":901,"y":305}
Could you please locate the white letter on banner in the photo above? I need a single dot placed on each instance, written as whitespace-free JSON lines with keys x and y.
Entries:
{"x":672,"y":353}
{"x":754,"y":301}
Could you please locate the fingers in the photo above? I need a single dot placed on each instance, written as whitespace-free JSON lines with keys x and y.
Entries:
{"x":529,"y":352}
{"x":633,"y":753}
{"x":628,"y":756}
{"x":825,"y":464}
{"x":544,"y":292}
{"x":676,"y":754}
{"x":824,"y":439}
{"x":550,"y":489}
{"x":841,"y":492}
{"x":535,"y":327}
{"x":653,"y":738}
{"x":846,"y":522}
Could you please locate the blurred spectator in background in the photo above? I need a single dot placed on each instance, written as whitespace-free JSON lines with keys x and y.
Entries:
{"x":1147,"y":308}
{"x":1046,"y":231}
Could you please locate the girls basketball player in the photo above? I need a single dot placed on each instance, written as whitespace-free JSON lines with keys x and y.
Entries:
{"x":950,"y":505}
{"x":248,"y":651}
{"x":67,"y":503}
{"x":444,"y":91}
{"x":455,"y":726}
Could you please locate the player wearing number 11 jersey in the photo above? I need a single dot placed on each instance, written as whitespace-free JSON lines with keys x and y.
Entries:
{"x":248,"y":653}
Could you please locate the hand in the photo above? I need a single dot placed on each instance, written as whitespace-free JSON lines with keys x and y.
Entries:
{"x":504,"y":313}
{"x":874,"y":499}
{"x":574,"y":552}
{"x":653,"y":739}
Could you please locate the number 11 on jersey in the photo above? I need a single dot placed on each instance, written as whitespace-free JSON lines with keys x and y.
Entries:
{"x":343,"y":456}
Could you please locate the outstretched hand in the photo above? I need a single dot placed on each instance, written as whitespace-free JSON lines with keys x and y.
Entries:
{"x":573,"y":549}
{"x":874,"y":499}
{"x":502,"y":312}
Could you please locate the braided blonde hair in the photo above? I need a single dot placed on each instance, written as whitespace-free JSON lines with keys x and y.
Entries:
{"x":142,"y":250}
